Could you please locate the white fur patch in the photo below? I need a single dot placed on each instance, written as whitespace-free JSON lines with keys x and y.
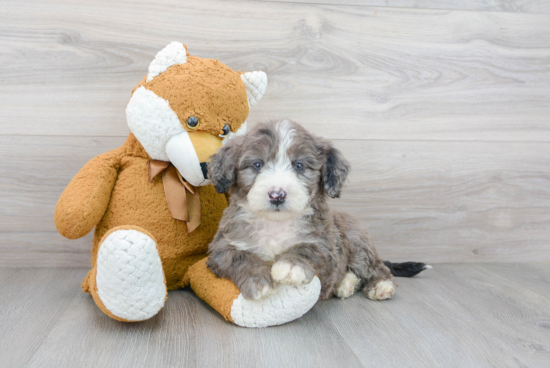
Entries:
{"x":382,"y":290}
{"x":271,"y":238}
{"x":153,"y":122}
{"x":349,"y":286}
{"x":256,"y":84}
{"x":130,"y":279}
{"x":174,"y":53}
{"x":286,"y":273}
{"x":286,"y":304}
{"x":182,"y":155}
{"x":279,"y":174}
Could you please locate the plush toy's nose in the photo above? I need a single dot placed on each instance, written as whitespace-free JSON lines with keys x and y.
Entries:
{"x":204,"y":168}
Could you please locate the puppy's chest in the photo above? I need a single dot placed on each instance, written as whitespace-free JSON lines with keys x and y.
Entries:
{"x":273,"y":238}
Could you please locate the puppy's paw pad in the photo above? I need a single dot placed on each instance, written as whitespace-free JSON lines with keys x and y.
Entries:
{"x":382,"y":290}
{"x":287,"y":273}
{"x":348,"y":286}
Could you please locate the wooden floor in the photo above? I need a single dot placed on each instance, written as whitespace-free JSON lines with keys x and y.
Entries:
{"x":475,"y":315}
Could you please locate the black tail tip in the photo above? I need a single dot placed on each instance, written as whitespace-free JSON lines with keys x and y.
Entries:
{"x":406,"y":269}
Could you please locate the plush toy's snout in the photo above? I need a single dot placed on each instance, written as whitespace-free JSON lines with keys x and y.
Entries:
{"x":205,"y":145}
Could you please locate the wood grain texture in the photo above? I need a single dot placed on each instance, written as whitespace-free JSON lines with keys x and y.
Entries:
{"x":514,"y":6}
{"x":426,"y":200}
{"x":68,"y":68}
{"x":455,"y":315}
{"x":31,"y":302}
{"x":443,"y":113}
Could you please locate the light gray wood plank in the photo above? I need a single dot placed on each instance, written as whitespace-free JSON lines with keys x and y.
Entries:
{"x":310,"y":341}
{"x":454,"y":201}
{"x":44,"y":249}
{"x":451,"y":316}
{"x":515,"y":6}
{"x":85,"y":337}
{"x":31,"y":302}
{"x":454,"y":315}
{"x":430,"y":201}
{"x":533,"y":276}
{"x":186,"y":333}
{"x":383,"y":73}
{"x":39,"y":168}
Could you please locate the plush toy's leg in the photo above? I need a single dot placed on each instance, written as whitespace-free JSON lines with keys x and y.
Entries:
{"x":127,"y":281}
{"x":286,"y":304}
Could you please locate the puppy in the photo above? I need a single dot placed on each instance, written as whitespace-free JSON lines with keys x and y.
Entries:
{"x":278,"y":227}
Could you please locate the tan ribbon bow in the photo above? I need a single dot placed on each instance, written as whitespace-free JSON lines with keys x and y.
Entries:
{"x":183,"y":206}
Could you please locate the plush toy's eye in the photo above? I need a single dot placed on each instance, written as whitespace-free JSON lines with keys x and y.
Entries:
{"x":257,"y":165}
{"x":299,"y":166}
{"x":192,"y":122}
{"x":226,"y":130}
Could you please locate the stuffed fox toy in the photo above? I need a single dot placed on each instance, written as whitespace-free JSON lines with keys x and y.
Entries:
{"x":150,"y":201}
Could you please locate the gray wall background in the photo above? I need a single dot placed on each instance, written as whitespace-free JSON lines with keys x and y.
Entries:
{"x":443,"y":108}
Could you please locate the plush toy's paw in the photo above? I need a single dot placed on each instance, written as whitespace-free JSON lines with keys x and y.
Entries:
{"x":289,"y":273}
{"x":285,"y":304}
{"x":256,"y":287}
{"x":129,"y":278}
{"x":382,"y":290}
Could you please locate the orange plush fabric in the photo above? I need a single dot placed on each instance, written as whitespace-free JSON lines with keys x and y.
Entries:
{"x":218,"y":99}
{"x":120,"y":194}
{"x":218,"y":293}
{"x":113,"y":191}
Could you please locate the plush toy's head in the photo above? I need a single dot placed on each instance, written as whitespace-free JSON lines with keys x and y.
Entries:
{"x":186,"y":107}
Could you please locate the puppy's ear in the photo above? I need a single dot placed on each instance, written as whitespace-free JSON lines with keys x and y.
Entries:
{"x":222,"y":165}
{"x":335,"y":170}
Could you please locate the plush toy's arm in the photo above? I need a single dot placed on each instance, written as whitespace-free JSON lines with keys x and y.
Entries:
{"x":83,"y":203}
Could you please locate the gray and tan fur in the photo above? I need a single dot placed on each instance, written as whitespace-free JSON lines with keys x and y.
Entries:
{"x":278,"y":227}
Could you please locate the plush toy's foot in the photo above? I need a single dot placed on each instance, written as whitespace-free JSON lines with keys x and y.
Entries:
{"x":286,"y":304}
{"x":128,"y":282}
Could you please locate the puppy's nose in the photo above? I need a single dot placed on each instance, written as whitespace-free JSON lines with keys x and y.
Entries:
{"x":277,"y":197}
{"x":204,"y":169}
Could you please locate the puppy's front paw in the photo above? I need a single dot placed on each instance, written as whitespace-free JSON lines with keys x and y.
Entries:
{"x":382,"y":290}
{"x":256,"y":287}
{"x":289,"y":273}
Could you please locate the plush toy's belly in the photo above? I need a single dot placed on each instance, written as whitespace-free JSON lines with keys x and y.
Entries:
{"x":136,"y":201}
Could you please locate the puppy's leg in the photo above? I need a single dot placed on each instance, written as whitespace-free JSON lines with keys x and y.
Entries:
{"x":298,"y":265}
{"x":376,"y":278}
{"x":348,"y":286}
{"x":381,"y":287}
{"x":250,"y":273}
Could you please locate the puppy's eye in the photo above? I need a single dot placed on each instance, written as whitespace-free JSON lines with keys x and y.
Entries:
{"x":225,"y":130}
{"x":193,"y":122}
{"x":257,"y":165}
{"x":299,"y":166}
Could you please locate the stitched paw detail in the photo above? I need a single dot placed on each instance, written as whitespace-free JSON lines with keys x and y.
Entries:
{"x":129,"y":278}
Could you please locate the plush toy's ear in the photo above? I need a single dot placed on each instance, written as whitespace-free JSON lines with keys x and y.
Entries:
{"x":174,"y":53}
{"x":255,"y":83}
{"x":335,"y":170}
{"x":222,"y":165}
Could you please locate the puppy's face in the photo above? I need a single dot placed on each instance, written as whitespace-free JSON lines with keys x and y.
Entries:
{"x":278,"y":169}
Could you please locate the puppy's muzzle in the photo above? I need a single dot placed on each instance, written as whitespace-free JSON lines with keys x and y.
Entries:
{"x":277,"y":197}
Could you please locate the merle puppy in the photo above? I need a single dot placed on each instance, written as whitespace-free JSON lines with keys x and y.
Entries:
{"x":278,"y":227}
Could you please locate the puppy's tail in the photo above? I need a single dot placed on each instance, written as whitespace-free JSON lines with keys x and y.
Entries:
{"x":406,"y":269}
